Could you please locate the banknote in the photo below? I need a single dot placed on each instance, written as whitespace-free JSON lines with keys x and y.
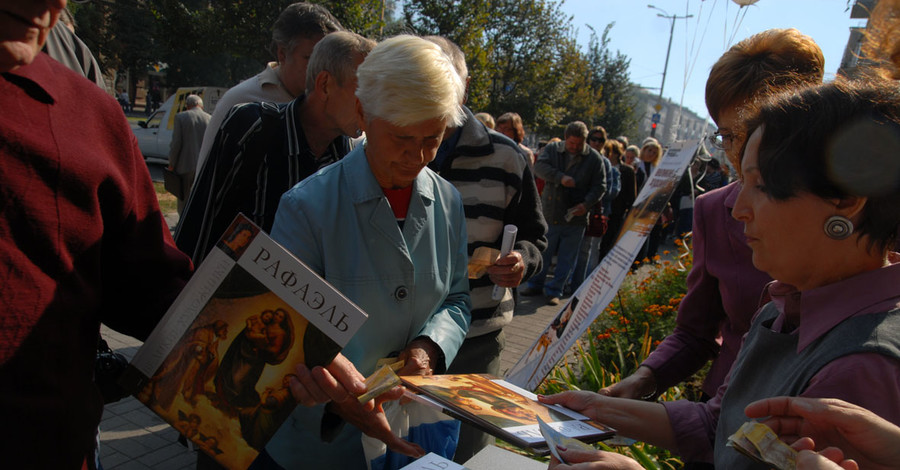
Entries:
{"x":759,"y":442}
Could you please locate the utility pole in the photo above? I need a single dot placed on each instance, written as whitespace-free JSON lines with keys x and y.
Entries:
{"x":658,"y":107}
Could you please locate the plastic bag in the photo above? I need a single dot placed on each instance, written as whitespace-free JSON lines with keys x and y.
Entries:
{"x":415,"y":422}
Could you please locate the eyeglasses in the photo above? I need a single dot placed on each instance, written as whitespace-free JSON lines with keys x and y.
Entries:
{"x":721,"y":140}
{"x":596,"y":139}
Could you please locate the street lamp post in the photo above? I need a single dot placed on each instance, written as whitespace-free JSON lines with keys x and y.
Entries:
{"x":664,"y":14}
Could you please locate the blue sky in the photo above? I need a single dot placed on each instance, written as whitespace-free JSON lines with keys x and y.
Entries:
{"x":699,"y":41}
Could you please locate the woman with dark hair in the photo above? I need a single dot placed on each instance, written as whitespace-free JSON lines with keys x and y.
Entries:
{"x":723,"y":287}
{"x":623,"y":201}
{"x":822,"y":225}
{"x":510,"y":125}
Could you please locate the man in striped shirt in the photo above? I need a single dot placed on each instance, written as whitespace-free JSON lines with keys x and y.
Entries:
{"x":263,"y":149}
{"x":497,"y":187}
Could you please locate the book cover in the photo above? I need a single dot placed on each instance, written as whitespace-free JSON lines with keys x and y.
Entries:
{"x":218,"y":365}
{"x":504,"y":410}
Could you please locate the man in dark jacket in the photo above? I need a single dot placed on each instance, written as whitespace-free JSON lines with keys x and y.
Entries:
{"x":575,"y":181}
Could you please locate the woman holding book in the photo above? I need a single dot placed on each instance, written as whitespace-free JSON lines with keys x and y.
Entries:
{"x":391,"y":236}
{"x":822,"y":225}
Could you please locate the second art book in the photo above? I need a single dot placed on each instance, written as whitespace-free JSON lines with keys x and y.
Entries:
{"x":219,"y":364}
{"x":503,"y":409}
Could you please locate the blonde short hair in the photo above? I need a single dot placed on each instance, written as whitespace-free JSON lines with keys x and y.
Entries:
{"x":486,"y":119}
{"x":406,"y":80}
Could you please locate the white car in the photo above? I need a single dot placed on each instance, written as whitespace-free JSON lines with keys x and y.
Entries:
{"x":155,"y":134}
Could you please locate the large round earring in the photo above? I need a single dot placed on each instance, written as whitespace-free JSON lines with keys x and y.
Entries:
{"x":838,"y":227}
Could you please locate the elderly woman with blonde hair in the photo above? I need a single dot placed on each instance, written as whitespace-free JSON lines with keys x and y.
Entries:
{"x":390,"y":235}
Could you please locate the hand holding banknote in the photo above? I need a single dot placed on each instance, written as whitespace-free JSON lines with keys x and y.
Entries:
{"x":828,"y":424}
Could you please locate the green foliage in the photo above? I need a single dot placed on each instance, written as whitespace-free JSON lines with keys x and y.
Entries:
{"x":121,"y":35}
{"x":610,"y":76}
{"x":623,"y":336}
{"x":523,"y":57}
{"x":205,"y":42}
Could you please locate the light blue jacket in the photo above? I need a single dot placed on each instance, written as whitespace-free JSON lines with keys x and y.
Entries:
{"x":411,"y":284}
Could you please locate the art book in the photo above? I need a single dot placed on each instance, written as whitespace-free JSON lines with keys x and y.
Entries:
{"x":218,"y":365}
{"x":503,"y":409}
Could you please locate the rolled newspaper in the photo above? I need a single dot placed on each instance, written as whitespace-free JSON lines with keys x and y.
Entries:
{"x":509,"y":239}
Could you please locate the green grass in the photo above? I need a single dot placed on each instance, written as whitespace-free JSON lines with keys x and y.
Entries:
{"x":167,"y":202}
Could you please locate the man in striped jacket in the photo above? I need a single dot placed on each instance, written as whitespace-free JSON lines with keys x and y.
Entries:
{"x":497,"y":187}
{"x":263,"y":149}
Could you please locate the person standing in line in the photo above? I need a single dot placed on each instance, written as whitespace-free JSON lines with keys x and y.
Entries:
{"x":510,"y":125}
{"x":82,"y":241}
{"x":623,"y":202}
{"x":486,"y":119}
{"x":125,"y":101}
{"x":497,"y":188}
{"x":190,"y":125}
{"x":590,"y":244}
{"x":651,"y":154}
{"x":631,"y":157}
{"x":263,"y":149}
{"x":575,"y":181}
{"x":298,"y":29}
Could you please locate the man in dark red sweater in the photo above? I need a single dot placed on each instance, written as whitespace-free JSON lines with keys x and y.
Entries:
{"x":82,"y":241}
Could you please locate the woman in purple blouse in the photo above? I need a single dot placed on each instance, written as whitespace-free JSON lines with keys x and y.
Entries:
{"x":822,"y":225}
{"x":724,"y":288}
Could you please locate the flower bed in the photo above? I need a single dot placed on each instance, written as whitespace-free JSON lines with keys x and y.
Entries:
{"x":624,"y":335}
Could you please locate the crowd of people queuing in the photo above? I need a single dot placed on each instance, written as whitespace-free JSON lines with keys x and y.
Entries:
{"x":363,"y":160}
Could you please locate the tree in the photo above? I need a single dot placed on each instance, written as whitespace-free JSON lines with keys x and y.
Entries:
{"x":522,"y":56}
{"x":120,"y":34}
{"x":617,"y":101}
{"x":205,"y":42}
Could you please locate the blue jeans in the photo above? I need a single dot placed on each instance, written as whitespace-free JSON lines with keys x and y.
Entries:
{"x":564,"y":242}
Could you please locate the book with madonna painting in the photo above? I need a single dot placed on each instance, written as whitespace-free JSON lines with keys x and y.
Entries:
{"x":503,"y":410}
{"x":218,"y":365}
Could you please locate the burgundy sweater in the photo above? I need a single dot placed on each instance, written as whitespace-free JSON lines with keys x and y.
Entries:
{"x":82,"y":241}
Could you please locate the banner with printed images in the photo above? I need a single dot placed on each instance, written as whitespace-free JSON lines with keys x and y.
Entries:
{"x":600,"y":287}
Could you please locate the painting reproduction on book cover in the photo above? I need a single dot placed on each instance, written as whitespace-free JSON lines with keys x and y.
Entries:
{"x":504,"y":410}
{"x":225,"y":383}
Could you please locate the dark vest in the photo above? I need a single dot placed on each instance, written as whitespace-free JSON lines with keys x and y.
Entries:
{"x":769,"y":366}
